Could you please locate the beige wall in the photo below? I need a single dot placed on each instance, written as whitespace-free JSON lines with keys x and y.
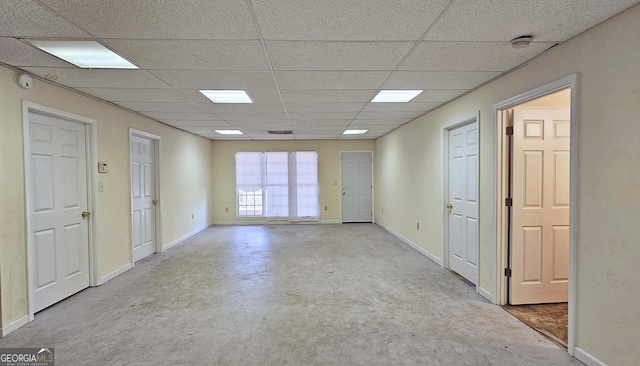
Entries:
{"x":224,"y":179}
{"x":606,"y":58}
{"x":186,"y":183}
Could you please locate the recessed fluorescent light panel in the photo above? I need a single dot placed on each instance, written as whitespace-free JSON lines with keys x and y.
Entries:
{"x":84,"y":54}
{"x":229,"y":132}
{"x":227,"y":96}
{"x":395,"y":96}
{"x":355,"y":132}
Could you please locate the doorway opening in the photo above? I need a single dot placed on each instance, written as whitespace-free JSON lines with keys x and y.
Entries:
{"x":536,"y":210}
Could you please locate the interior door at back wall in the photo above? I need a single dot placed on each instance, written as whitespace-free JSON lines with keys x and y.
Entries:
{"x":58,"y":197}
{"x":463,"y":199}
{"x":540,"y":212}
{"x":142,"y":197}
{"x":357,"y":186}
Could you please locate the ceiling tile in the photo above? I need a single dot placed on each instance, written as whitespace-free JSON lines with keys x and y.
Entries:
{"x":382,"y":122}
{"x":438,"y":95}
{"x":238,"y":117}
{"x":470,"y":56}
{"x":253,"y":108}
{"x":27,"y":18}
{"x":163,"y":107}
{"x":19,"y":54}
{"x":192,"y":55}
{"x":100,"y":78}
{"x":197,"y":79}
{"x":317,"y":20}
{"x":137,"y":95}
{"x":336,"y":55}
{"x":331,"y":79}
{"x":181,"y":116}
{"x":437,"y":80}
{"x":400,"y":107}
{"x":503,"y":20}
{"x":318,"y":115}
{"x":388,"y":115}
{"x":324,"y":107}
{"x":172,"y":19}
{"x":320,"y":122}
{"x":303,"y":127}
{"x":327,"y":96}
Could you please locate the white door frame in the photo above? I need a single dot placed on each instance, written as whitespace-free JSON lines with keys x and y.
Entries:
{"x":373,"y":208}
{"x":155,"y":140}
{"x":444,"y":175}
{"x":500,"y":169}
{"x":91,"y":134}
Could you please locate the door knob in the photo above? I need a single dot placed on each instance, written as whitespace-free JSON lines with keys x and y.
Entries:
{"x":155,"y":202}
{"x":449,"y":206}
{"x":86,"y":214}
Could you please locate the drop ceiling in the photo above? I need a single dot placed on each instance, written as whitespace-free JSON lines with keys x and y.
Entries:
{"x":310,"y":66}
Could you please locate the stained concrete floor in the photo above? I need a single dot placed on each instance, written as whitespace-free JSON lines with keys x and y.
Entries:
{"x":286,"y":295}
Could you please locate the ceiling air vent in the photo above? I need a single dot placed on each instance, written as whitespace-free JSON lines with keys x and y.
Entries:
{"x":280,"y":132}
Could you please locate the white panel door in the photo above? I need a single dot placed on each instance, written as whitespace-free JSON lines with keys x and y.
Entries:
{"x":143,"y":200}
{"x":540,"y":212}
{"x":59,"y":231}
{"x":357,"y":186}
{"x":463,"y":201}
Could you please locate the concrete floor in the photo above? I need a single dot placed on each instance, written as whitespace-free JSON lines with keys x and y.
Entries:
{"x":286,"y":295}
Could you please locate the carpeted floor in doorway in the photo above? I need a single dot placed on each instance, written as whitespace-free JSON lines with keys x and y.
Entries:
{"x":548,"y":319}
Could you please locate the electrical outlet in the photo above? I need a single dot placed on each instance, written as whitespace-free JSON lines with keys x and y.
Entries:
{"x":226,"y":209}
{"x":417,"y":226}
{"x":325,"y":208}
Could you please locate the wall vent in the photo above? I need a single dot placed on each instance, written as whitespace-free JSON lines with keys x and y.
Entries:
{"x":280,"y":132}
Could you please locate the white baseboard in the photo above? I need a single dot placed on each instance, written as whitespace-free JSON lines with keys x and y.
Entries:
{"x":15,"y":325}
{"x":115,"y":273}
{"x":276,"y":222}
{"x":180,"y":240}
{"x":586,"y":358}
{"x":414,"y":246}
{"x":486,"y":294}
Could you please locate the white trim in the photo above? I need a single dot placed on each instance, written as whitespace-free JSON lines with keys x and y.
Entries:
{"x":484,"y":293}
{"x":185,"y":237}
{"x":91,"y":152}
{"x":373,"y":208}
{"x":14,"y":325}
{"x":500,"y":298}
{"x":414,"y":246}
{"x":444,"y":178}
{"x":155,"y":140}
{"x":587,"y":358}
{"x":115,"y":273}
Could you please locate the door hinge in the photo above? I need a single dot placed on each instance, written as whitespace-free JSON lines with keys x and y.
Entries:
{"x":509,"y":130}
{"x":508,"y":202}
{"x":507,"y":272}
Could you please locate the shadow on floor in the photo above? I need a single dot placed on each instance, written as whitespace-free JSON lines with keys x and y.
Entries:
{"x":548,"y":319}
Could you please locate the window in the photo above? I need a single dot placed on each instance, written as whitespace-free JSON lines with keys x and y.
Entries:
{"x":277,"y":184}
